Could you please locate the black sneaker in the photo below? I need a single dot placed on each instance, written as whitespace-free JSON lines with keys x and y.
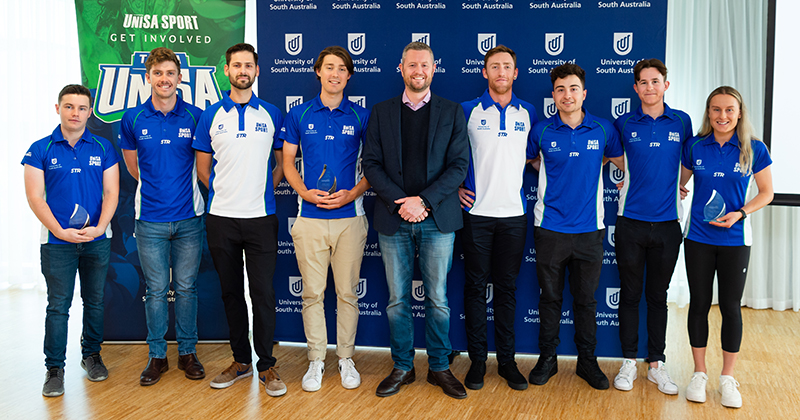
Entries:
{"x":545,"y":368}
{"x":53,"y":382}
{"x":94,"y":367}
{"x":589,"y":370}
{"x":474,"y":379}
{"x":511,"y":374}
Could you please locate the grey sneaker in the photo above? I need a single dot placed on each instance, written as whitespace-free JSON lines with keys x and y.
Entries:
{"x":53,"y":382}
{"x":94,"y":367}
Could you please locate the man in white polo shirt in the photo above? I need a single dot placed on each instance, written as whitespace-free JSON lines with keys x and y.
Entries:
{"x":495,"y":224}
{"x":235,"y":141}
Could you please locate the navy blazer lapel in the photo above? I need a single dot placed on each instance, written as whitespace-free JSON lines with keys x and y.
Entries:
{"x":436,"y":108}
{"x":394,"y":125}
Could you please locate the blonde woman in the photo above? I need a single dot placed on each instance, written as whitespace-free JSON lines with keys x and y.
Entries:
{"x":725,"y":159}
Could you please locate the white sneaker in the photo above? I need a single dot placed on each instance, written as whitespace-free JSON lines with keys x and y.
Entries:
{"x":350,"y":377}
{"x":627,"y":374}
{"x":312,"y":380}
{"x":731,"y":397}
{"x":696,"y":391}
{"x":660,"y":376}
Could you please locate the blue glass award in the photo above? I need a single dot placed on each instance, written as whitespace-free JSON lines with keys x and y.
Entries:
{"x":327,"y":180}
{"x":715,"y":207}
{"x":80,"y":218}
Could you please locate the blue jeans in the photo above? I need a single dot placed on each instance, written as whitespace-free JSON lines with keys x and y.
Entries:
{"x":59,"y":264}
{"x":161,"y":245}
{"x":435,"y":259}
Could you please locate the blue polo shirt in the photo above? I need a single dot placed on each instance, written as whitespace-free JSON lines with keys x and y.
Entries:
{"x":498,"y":139}
{"x":652,"y":150}
{"x":168,"y":190}
{"x":570,"y":196}
{"x":717,"y":168}
{"x":328,"y":137}
{"x":240,"y":139}
{"x":72,"y":175}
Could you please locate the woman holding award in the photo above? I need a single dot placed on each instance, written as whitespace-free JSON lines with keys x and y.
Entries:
{"x":725,"y":158}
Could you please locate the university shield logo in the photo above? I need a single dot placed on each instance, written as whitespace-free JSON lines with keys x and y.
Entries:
{"x":615,"y":174}
{"x":554,"y":43}
{"x":486,"y":42}
{"x":290,"y":222}
{"x":549,"y":107}
{"x":418,"y":290}
{"x":612,"y":297}
{"x":620,"y":106}
{"x":358,"y":100}
{"x":361,"y":289}
{"x":293,"y":101}
{"x":296,"y":286}
{"x":356,"y":43}
{"x":612,"y":239}
{"x":144,"y":131}
{"x":489,"y":292}
{"x":53,"y":161}
{"x":623,"y":42}
{"x":424,"y":38}
{"x":293,"y":43}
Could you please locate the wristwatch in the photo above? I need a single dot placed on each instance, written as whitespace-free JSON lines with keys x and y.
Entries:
{"x":744,"y":215}
{"x":422,"y":202}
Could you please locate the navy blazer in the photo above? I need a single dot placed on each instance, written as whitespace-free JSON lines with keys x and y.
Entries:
{"x":448,"y":161}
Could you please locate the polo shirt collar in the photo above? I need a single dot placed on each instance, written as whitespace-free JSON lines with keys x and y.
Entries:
{"x":59,"y":136}
{"x":734,"y":141}
{"x":587,"y":120}
{"x":317,"y":105}
{"x":178,"y":110}
{"x":668,"y":113}
{"x":228,"y":103}
{"x":487,"y":101}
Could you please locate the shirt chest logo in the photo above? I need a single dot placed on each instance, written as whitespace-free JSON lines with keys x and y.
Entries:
{"x":519,"y":126}
{"x":553,"y":147}
{"x":220,"y":130}
{"x":484,"y":126}
{"x":311,"y":130}
{"x":261,"y":128}
{"x":634,"y":137}
{"x":593,"y":145}
{"x":348,"y":130}
{"x":674,"y":136}
{"x":95,"y":161}
{"x":144,"y":135}
{"x":185,"y":133}
{"x":54,"y":164}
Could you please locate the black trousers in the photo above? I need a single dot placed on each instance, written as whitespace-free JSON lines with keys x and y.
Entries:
{"x":582,"y":254}
{"x":730,"y":264}
{"x":654,"y":246}
{"x":258,"y":239}
{"x":493,"y":247}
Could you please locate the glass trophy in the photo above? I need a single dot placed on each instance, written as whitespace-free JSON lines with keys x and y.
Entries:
{"x":715,"y":207}
{"x":80,"y":218}
{"x":327,"y":180}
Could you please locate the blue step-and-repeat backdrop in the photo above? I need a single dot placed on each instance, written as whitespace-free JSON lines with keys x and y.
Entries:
{"x":606,"y":38}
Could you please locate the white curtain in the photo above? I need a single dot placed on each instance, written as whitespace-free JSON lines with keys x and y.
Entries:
{"x":39,"y":40}
{"x":723,"y":42}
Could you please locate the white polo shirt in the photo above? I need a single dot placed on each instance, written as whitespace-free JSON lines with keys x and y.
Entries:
{"x":498,"y":139}
{"x":241,"y":140}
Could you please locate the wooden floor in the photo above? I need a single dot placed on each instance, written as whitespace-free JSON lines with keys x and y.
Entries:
{"x":767,"y":371}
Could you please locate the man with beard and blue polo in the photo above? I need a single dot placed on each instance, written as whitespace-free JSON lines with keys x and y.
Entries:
{"x":72,"y":186}
{"x":156,"y":142}
{"x":495,"y":223}
{"x":568,"y":219}
{"x":331,"y":227}
{"x":648,"y":233}
{"x":235,"y":141}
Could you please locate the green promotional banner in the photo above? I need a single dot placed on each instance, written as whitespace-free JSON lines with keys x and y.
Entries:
{"x":115,"y":38}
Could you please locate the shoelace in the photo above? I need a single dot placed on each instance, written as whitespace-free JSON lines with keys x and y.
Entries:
{"x":729,"y":385}
{"x":347,"y":367}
